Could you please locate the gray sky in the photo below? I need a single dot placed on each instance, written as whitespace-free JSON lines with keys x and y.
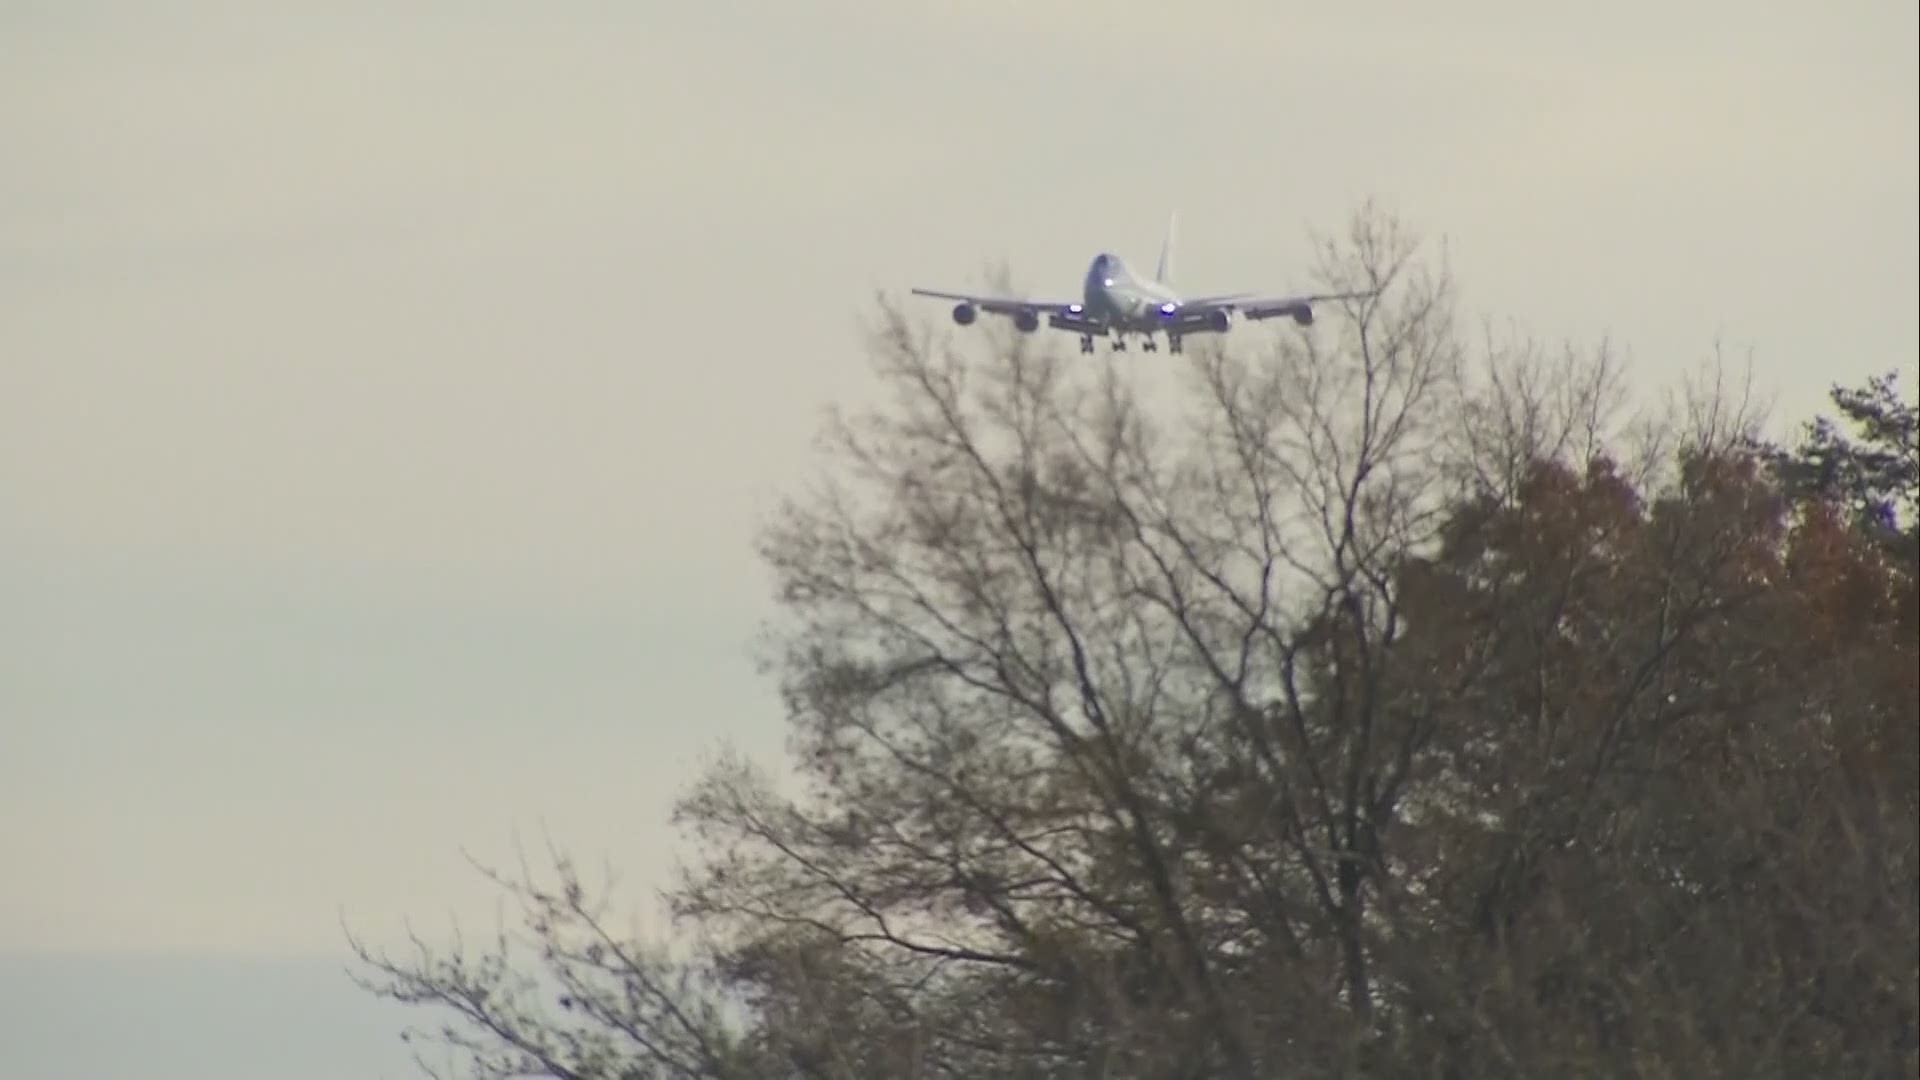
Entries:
{"x":387,"y":395}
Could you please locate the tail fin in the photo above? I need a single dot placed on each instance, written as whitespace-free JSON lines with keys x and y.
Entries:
{"x":1163,"y":271}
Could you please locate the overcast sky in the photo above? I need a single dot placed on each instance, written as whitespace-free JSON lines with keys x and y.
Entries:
{"x":388,"y":393}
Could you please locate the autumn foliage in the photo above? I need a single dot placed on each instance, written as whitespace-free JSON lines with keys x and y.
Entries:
{"x":1680,"y":840}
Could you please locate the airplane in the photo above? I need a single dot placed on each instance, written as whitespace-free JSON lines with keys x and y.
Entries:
{"x":1117,"y":301}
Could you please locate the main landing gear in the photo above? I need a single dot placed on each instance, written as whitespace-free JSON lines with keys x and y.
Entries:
{"x":1118,"y":343}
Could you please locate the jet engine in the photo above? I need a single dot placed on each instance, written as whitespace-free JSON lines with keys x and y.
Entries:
{"x":1219,"y":319}
{"x":1027,"y":320}
{"x":1303,"y":315}
{"x":964,"y":313}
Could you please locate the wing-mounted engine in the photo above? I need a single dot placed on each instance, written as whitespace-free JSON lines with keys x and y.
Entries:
{"x":1212,"y":321}
{"x":1075,"y":323}
{"x":1300,"y":311}
{"x":964,"y":314}
{"x":1026,"y":320}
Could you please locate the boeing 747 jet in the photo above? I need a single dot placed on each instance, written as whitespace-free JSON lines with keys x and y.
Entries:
{"x":1115,"y":302}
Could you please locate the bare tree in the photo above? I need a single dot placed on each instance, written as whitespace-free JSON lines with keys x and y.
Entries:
{"x":591,"y":1002}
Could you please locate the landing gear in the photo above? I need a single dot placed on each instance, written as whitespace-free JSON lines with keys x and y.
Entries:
{"x":1117,"y":342}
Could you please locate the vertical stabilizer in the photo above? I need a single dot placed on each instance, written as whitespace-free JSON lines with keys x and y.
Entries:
{"x":1163,"y":270}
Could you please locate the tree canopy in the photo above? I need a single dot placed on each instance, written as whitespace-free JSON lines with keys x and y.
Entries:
{"x":1382,"y":706}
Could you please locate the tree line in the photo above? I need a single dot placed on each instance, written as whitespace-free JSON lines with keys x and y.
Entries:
{"x":1389,"y":705}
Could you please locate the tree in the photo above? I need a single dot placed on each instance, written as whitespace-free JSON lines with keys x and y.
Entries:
{"x":1877,"y":478}
{"x":1375,"y":716}
{"x":1683,"y":818}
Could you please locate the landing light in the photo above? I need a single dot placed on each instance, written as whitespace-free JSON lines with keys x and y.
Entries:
{"x":1168,"y":308}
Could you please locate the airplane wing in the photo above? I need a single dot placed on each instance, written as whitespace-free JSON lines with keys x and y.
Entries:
{"x":1221,"y":300}
{"x":1007,"y":305}
{"x":1267,"y":307}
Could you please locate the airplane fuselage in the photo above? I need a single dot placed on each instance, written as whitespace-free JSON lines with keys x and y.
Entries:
{"x":1116,"y":301}
{"x":1113,"y":294}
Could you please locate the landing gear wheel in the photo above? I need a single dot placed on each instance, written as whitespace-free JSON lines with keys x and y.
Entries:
{"x":1086,"y":343}
{"x":1119,"y":344}
{"x":1173,"y":344}
{"x":1149,"y":345}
